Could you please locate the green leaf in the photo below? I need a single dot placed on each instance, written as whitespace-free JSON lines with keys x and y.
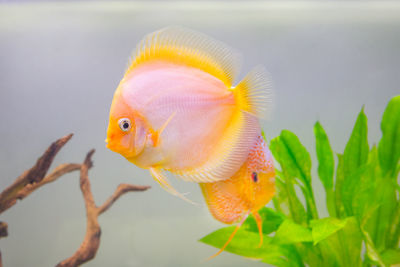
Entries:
{"x":350,"y":188}
{"x":283,"y":255}
{"x":323,"y":228}
{"x":357,"y":149}
{"x":389,"y":146}
{"x":292,"y":156}
{"x":351,"y":242}
{"x":366,"y":187}
{"x":395,"y":231}
{"x":355,"y":156}
{"x":371,"y":250}
{"x":285,"y":198}
{"x":270,"y":221}
{"x":326,"y":165}
{"x":290,"y":232}
{"x":245,"y":243}
{"x":281,"y":199}
{"x":343,"y":248}
{"x":391,"y":256}
{"x":325,"y":157}
{"x":386,"y":196}
{"x":377,"y":213}
{"x":331,"y":251}
{"x":295,"y":162}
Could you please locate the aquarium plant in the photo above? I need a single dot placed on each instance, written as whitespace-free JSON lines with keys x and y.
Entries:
{"x":362,"y":199}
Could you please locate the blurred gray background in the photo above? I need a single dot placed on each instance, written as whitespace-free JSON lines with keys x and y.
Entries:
{"x":61,"y":62}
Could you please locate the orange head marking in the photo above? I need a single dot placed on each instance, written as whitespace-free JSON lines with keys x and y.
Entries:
{"x":126,"y":133}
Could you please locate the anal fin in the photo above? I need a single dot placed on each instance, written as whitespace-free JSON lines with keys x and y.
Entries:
{"x":258,"y":219}
{"x":229,"y":239}
{"x":163,"y":181}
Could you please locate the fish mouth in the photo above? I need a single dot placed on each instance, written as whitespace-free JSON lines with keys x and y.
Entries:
{"x":124,"y":147}
{"x":115,"y":148}
{"x":110,"y":146}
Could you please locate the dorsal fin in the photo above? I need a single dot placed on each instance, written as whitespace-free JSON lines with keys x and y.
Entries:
{"x":183,"y":46}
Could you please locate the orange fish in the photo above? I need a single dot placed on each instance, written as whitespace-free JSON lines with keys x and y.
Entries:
{"x":176,"y":108}
{"x":251,"y":188}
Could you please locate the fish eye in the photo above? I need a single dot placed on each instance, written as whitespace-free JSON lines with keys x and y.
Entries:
{"x":254,"y":177}
{"x":124,"y":124}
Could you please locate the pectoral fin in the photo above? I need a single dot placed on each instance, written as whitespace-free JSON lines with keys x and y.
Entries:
{"x":159,"y":176}
{"x":156,"y":135}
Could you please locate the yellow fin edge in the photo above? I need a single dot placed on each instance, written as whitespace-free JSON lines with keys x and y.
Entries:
{"x":190,"y":48}
{"x":253,"y":94}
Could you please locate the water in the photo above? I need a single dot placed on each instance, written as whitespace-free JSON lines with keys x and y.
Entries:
{"x":61,"y":62}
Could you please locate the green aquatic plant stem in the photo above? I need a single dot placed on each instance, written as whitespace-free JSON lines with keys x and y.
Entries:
{"x":330,"y":202}
{"x":293,"y":201}
{"x":311,"y":204}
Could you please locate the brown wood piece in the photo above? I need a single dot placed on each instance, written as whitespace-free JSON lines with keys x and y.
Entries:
{"x":35,"y":177}
{"x":91,"y":242}
{"x":3,"y":229}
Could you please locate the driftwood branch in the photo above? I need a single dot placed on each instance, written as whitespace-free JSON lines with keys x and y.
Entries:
{"x":35,"y":178}
{"x":34,"y":175}
{"x":56,"y":173}
{"x":121,"y":189}
{"x":3,"y":229}
{"x":91,"y":242}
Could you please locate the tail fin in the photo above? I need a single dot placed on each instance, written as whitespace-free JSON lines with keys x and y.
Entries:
{"x":253,"y":94}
